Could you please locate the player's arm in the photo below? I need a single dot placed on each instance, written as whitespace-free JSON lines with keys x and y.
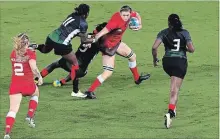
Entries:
{"x":155,"y":46}
{"x":137,"y":15}
{"x":154,"y":51}
{"x":33,"y":65}
{"x":111,"y":25}
{"x":83,"y":35}
{"x":139,"y":19}
{"x":189,"y":44}
{"x":190,"y":47}
{"x":103,"y":32}
{"x":85,"y":39}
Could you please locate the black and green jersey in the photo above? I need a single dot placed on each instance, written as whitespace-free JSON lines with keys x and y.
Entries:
{"x":174,"y":42}
{"x":70,"y":27}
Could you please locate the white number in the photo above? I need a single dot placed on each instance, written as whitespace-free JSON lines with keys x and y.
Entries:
{"x":177,"y":45}
{"x":18,"y":69}
{"x":68,"y":20}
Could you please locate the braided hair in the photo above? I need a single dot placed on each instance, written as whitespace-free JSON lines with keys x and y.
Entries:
{"x":174,"y":22}
{"x":82,"y":9}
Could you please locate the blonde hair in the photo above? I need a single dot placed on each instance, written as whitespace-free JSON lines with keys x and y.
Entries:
{"x":20,"y":44}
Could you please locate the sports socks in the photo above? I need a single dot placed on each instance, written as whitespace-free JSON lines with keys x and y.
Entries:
{"x":99,"y":80}
{"x":9,"y":121}
{"x":134,"y":70}
{"x":32,"y":106}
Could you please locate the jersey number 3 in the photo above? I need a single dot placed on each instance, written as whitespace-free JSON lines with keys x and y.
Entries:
{"x":176,"y":45}
{"x":18,"y":68}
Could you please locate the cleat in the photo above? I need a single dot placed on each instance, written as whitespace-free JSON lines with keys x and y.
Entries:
{"x":7,"y":136}
{"x":30,"y":122}
{"x":168,"y":120}
{"x":56,"y":83}
{"x":142,"y":78}
{"x":78,"y":94}
{"x":90,"y":95}
{"x":33,"y":46}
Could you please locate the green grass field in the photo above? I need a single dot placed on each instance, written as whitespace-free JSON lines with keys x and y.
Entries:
{"x":123,"y":109}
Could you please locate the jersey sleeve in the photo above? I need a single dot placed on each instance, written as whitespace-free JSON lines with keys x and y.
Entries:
{"x":160,"y":35}
{"x":133,"y":14}
{"x":112,"y":23}
{"x":32,"y":55}
{"x":187,"y":36}
{"x":83,"y":27}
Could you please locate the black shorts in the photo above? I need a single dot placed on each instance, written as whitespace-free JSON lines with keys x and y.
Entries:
{"x":175,"y":66}
{"x":59,"y":49}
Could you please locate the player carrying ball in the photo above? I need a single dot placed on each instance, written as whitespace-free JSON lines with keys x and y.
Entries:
{"x":177,"y":42}
{"x":114,"y":31}
{"x":24,"y":69}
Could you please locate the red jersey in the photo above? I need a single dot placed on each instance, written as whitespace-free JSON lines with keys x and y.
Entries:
{"x":114,"y":24}
{"x":21,"y":70}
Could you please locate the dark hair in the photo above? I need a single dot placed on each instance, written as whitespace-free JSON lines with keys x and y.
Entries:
{"x":174,"y":22}
{"x":82,"y":9}
{"x":125,"y":8}
{"x":99,"y":27}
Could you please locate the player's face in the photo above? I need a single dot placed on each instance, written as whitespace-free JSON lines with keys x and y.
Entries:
{"x":125,"y":15}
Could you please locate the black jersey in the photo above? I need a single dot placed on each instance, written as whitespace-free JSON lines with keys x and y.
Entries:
{"x":70,"y":27}
{"x":85,"y":55}
{"x":174,"y":42}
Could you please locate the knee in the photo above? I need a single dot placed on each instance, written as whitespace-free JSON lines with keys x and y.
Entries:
{"x":132,"y":56}
{"x":108,"y":71}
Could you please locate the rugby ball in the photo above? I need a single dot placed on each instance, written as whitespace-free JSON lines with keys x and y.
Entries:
{"x":134,"y":22}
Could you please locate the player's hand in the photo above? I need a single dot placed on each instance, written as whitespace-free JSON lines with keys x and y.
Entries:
{"x":40,"y":80}
{"x":155,"y":62}
{"x":135,"y":28}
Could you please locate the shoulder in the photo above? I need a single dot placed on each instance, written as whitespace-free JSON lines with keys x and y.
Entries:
{"x":83,"y":22}
{"x":31,"y":52}
{"x":164,"y":31}
{"x":134,"y":14}
{"x":12,"y":54}
{"x":185,"y":31}
{"x":116,"y":15}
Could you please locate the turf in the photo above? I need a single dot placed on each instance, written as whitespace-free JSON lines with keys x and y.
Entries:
{"x":123,"y":109}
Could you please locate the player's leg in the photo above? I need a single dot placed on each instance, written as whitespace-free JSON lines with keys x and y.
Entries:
{"x":33,"y":103}
{"x":76,"y":92}
{"x":175,"y":85}
{"x":43,"y":48}
{"x":15,"y":100}
{"x":108,"y":66}
{"x":125,"y":51}
{"x":71,"y":58}
{"x":176,"y":68}
{"x":47,"y":70}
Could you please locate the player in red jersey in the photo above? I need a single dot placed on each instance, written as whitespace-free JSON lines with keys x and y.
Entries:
{"x":24,"y":69}
{"x":112,"y":35}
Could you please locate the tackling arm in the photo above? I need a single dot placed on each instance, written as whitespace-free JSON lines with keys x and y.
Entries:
{"x":101,"y":33}
{"x":85,"y":39}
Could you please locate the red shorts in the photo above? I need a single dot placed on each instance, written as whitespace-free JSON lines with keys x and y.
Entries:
{"x":26,"y":89}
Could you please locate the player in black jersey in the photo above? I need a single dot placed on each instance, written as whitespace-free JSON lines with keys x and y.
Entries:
{"x":177,"y":42}
{"x":60,"y":39}
{"x":84,"y":56}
